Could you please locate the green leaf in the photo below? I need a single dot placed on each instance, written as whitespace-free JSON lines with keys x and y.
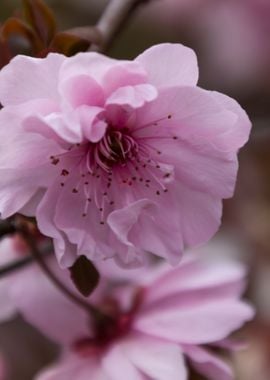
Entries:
{"x":41,"y":18}
{"x":84,"y":275}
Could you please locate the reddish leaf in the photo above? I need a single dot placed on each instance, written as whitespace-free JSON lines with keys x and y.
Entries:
{"x":68,"y":44}
{"x":5,"y":55}
{"x":14,"y":26}
{"x":84,"y":275}
{"x":41,"y":18}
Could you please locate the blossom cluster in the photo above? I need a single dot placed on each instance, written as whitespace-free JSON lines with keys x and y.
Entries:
{"x":127,"y":164}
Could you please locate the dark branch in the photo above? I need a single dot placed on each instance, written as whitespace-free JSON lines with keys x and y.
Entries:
{"x":15,"y":265}
{"x":115,"y":16}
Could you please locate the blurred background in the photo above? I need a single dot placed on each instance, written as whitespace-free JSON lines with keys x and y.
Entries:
{"x":231,"y":39}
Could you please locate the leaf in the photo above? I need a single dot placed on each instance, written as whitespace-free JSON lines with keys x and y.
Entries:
{"x":5,"y":55}
{"x":14,"y":26}
{"x":68,"y":44}
{"x":84,"y":275}
{"x":41,"y":18}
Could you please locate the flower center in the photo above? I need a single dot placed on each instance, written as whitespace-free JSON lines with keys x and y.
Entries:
{"x":116,"y":147}
{"x":108,"y":331}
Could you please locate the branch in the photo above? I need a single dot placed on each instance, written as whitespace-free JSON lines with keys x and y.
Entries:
{"x":113,"y":19}
{"x":15,"y":265}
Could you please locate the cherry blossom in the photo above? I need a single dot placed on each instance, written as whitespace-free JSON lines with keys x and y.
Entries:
{"x":168,"y":318}
{"x":117,"y":158}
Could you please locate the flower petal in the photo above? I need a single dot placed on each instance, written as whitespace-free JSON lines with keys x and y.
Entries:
{"x":117,"y":365}
{"x":195,"y":324}
{"x":82,"y":90}
{"x":27,"y":78}
{"x":208,"y":364}
{"x":132,"y":96}
{"x":121,"y":221}
{"x":170,"y":65}
{"x":157,"y":359}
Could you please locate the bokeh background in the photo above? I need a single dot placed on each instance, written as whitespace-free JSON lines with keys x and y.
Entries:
{"x":232,"y":41}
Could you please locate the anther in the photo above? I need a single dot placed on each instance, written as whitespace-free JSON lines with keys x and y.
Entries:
{"x":74,"y":190}
{"x":55,"y":160}
{"x":65,"y":172}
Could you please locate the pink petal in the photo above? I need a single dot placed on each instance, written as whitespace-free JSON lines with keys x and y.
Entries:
{"x":192,"y":115}
{"x":46,"y":307}
{"x":240,"y":131}
{"x":71,"y":368}
{"x":208,"y":364}
{"x":132,"y":96}
{"x":157,"y":359}
{"x":197,"y":277}
{"x":159,"y":235}
{"x":170,"y":65}
{"x":109,"y":73}
{"x":121,"y":221}
{"x":65,"y":252}
{"x":26,"y":78}
{"x":82,"y":90}
{"x":122,"y":74}
{"x":117,"y":366}
{"x":92,"y":127}
{"x":195,"y":324}
{"x":199,"y":214}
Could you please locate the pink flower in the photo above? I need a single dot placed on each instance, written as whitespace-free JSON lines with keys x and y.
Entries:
{"x":176,"y":315}
{"x":116,"y":158}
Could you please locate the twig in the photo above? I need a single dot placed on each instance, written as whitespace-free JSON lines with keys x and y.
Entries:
{"x":113,"y":19}
{"x":15,"y":265}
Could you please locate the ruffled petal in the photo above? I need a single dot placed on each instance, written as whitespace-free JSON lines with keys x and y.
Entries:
{"x":26,"y":78}
{"x":170,"y":65}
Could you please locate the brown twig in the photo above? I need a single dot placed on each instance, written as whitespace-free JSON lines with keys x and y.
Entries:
{"x":15,"y":265}
{"x":112,"y":21}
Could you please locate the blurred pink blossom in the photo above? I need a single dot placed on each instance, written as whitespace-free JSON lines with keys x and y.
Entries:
{"x":174,"y":315}
{"x":29,"y":291}
{"x":124,"y":157}
{"x":233,"y":37}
